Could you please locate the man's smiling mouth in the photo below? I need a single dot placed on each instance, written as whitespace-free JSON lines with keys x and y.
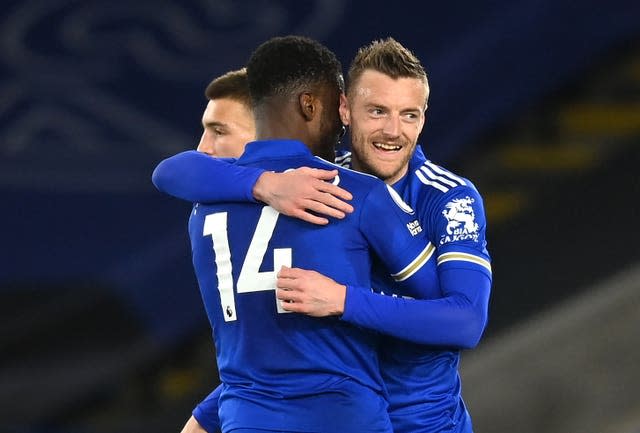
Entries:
{"x":386,"y":147}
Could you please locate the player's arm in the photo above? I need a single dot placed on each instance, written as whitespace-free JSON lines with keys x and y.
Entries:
{"x":197,"y":177}
{"x":456,"y":223}
{"x":205,"y":414}
{"x":394,"y":233}
{"x":457,"y":319}
{"x":303,"y":193}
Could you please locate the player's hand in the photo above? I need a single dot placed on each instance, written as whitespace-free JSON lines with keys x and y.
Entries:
{"x":309,"y":292}
{"x":304,"y":192}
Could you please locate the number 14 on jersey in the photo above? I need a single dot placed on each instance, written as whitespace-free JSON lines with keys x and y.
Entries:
{"x":250,"y":278}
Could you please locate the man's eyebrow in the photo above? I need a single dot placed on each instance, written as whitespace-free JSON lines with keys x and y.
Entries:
{"x":214,"y":123}
{"x":382,"y":105}
{"x":374,"y":104}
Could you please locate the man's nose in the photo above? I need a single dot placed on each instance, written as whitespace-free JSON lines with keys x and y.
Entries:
{"x":206,"y":144}
{"x":392,"y":126}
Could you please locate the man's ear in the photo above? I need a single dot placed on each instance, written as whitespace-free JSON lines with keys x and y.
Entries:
{"x":345,"y":112}
{"x":308,"y":105}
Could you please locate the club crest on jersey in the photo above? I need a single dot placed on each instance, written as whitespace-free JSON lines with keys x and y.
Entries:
{"x":398,"y":200}
{"x":461,"y":221}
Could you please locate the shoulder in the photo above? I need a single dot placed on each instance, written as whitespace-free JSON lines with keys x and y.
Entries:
{"x":437,"y":178}
{"x":434,"y":185}
{"x":350,"y":175}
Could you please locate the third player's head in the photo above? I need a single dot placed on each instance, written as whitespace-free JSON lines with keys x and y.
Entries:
{"x":295,"y":84}
{"x":228,"y":119}
{"x":385,"y":108}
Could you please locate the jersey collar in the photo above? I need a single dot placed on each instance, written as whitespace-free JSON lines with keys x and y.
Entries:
{"x":267,"y":149}
{"x":416,"y":161}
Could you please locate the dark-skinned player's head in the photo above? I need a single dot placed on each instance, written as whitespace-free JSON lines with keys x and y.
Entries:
{"x":295,"y":84}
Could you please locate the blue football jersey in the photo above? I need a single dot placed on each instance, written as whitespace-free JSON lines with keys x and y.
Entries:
{"x":422,"y":379}
{"x":284,"y":371}
{"x":420,"y":366}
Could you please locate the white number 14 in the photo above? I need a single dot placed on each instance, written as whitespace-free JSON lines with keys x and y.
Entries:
{"x":250,"y":279}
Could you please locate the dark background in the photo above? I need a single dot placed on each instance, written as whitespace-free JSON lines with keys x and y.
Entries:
{"x":102,"y":327}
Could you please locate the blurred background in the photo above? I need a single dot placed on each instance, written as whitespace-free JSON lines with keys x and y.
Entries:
{"x":538,"y":102}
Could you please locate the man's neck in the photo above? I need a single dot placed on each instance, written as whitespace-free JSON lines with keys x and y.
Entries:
{"x":280,"y":123}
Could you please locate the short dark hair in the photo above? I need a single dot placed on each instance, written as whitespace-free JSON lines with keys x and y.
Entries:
{"x":232,"y":85}
{"x":389,"y":57}
{"x":286,"y":65}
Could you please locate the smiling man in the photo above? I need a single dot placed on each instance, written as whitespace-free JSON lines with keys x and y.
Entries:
{"x":419,"y":354}
{"x":425,"y":329}
{"x":385,"y":114}
{"x":285,"y":372}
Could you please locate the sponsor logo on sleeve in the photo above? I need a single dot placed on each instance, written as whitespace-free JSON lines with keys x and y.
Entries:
{"x":414,"y":227}
{"x":461,"y":221}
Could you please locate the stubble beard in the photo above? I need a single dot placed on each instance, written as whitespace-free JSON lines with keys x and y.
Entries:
{"x":365,"y":162}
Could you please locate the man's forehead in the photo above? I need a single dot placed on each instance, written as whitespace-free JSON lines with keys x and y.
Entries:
{"x":363,"y":91}
{"x":377,"y":85}
{"x":225,"y":107}
{"x":373,"y":77}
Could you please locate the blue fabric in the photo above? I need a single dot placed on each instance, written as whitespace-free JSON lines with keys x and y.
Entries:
{"x":440,"y":316}
{"x":424,"y":386}
{"x":206,"y":412}
{"x":455,"y":319}
{"x":181,"y":176}
{"x":276,"y":368}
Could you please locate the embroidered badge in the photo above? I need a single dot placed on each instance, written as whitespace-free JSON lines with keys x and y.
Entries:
{"x":461,"y":221}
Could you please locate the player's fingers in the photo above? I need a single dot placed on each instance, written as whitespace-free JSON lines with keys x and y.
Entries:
{"x":334,"y":190}
{"x":283,"y":272}
{"x":323,"y":209}
{"x":293,"y":307}
{"x":295,"y":273}
{"x":334,"y":202}
{"x":284,"y":285}
{"x":321,"y":174}
{"x":288,"y":283}
{"x":285,"y":295}
{"x":304,"y":215}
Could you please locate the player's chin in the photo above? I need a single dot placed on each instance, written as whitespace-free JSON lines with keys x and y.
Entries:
{"x":383,"y":171}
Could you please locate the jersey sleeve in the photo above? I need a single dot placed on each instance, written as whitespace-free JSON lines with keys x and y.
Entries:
{"x":198,"y":177}
{"x":458,"y":319}
{"x":395,"y":234}
{"x":458,"y":228}
{"x":206,"y":412}
{"x":456,"y":224}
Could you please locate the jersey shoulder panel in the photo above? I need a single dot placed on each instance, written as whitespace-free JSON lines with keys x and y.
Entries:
{"x":452,"y":209}
{"x":432,"y":189}
{"x":434,"y":176}
{"x":350,"y":177}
